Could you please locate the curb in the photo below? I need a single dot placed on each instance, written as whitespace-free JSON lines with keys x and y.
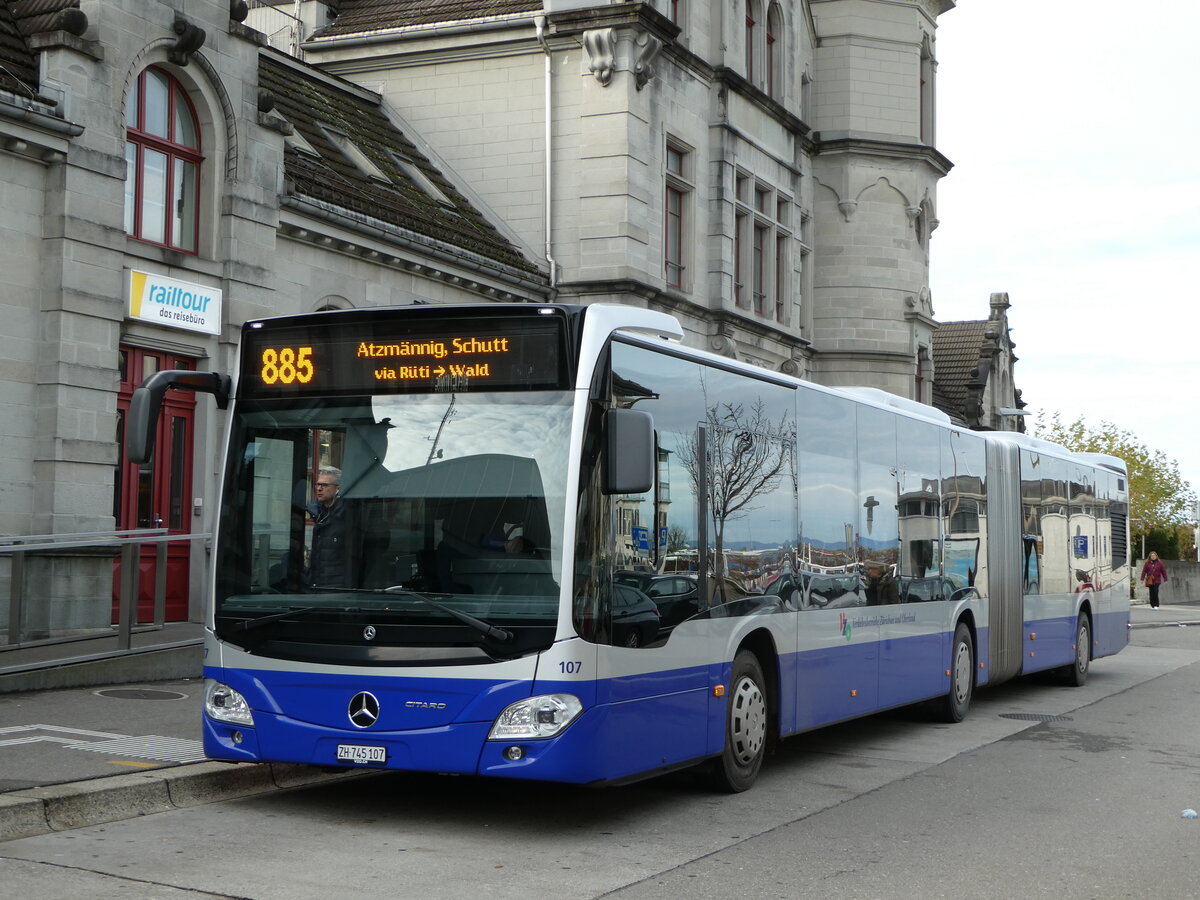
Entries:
{"x":61,"y":807}
{"x":161,"y":662}
{"x":1165,"y":623}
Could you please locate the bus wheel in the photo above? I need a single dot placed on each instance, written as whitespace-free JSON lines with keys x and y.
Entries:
{"x":1076,"y":673}
{"x":745,"y":727}
{"x":957,"y":701}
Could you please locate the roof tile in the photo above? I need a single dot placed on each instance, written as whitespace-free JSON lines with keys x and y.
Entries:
{"x":956,"y":352}
{"x":18,"y":63}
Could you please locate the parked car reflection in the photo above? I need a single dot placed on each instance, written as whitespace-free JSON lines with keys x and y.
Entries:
{"x":787,"y":588}
{"x":635,"y":618}
{"x":825,"y":591}
{"x":675,"y":596}
{"x":926,"y":590}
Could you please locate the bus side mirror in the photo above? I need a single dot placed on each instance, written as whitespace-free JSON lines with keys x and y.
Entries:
{"x":141,"y":422}
{"x":628,"y":451}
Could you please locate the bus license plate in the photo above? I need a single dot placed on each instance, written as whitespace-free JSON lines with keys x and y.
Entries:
{"x":361,"y":755}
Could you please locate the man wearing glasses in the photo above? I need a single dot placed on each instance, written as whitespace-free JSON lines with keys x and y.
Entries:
{"x":327,"y":556}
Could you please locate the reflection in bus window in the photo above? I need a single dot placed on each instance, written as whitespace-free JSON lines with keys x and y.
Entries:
{"x":920,"y":566}
{"x":826,"y":442}
{"x":965,"y":510}
{"x":732,"y":546}
{"x":424,"y":507}
{"x":878,"y":502}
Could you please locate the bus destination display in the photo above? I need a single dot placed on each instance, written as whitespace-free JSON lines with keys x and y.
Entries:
{"x":320,"y":360}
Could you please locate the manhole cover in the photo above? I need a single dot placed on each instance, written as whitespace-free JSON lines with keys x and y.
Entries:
{"x":1035,"y":717}
{"x":135,"y":694}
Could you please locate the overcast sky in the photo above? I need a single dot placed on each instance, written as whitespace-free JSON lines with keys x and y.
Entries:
{"x":1074,"y":129}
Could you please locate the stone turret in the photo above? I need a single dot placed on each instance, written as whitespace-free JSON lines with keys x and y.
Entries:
{"x":875,"y":170}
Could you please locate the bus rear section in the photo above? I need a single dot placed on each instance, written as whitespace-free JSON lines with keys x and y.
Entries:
{"x":1065,"y":521}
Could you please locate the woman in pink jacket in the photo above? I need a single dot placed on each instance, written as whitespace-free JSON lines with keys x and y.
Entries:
{"x":1154,"y":573}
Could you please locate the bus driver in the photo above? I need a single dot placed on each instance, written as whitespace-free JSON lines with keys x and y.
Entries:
{"x":327,"y":555}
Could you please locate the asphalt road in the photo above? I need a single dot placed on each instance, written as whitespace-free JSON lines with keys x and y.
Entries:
{"x":1080,"y":797}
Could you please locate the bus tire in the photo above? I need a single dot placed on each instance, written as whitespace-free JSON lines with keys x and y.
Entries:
{"x":1076,"y":674}
{"x":746,"y":717}
{"x":957,"y":702}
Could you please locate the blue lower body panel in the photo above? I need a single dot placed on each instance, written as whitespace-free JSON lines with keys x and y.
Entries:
{"x":303,"y":718}
{"x":280,"y":739}
{"x":1048,"y":643}
{"x":422,"y":723}
{"x":1112,"y":632}
{"x":608,"y":743}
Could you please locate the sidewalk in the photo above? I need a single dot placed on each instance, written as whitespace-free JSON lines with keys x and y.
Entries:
{"x":88,"y":755}
{"x":1168,"y":614}
{"x":83,"y":756}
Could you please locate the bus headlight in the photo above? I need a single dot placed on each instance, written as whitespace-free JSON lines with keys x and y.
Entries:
{"x":224,"y":704}
{"x":537,"y":717}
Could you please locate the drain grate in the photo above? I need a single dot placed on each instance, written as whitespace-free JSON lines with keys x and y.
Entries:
{"x":140,"y":694}
{"x":1036,"y":717}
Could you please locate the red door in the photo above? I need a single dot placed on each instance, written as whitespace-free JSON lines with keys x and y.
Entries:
{"x":157,"y":494}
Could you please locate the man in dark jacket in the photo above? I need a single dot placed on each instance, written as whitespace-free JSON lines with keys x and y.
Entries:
{"x":327,"y":556}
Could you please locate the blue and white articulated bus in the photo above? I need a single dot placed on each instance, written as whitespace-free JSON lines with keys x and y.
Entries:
{"x":551,"y":542}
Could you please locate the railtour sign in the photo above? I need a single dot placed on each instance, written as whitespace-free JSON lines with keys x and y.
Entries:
{"x":174,"y":303}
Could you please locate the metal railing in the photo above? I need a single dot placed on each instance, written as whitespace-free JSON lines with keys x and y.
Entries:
{"x":123,"y":545}
{"x":284,"y":30}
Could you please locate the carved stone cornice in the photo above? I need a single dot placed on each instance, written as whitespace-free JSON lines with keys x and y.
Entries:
{"x":851,"y":145}
{"x":734,"y":81}
{"x":601,"y":45}
{"x":190,"y":38}
{"x":936,"y":7}
{"x":933,"y":8}
{"x":628,"y":15}
{"x":53,"y":40}
{"x":643,"y":66}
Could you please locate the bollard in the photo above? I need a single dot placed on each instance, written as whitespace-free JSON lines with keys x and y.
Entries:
{"x":16,"y":598}
{"x":127,"y":604}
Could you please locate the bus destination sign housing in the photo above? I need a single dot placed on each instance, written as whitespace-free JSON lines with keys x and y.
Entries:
{"x":390,"y":353}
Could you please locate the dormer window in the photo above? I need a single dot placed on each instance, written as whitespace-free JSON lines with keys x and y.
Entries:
{"x":162,"y":163}
{"x":414,"y":174}
{"x":350,"y":150}
{"x":296,"y":141}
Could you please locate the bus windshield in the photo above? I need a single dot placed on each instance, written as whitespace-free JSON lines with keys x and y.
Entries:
{"x":419,"y":520}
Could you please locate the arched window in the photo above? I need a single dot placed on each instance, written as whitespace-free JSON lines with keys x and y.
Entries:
{"x":162,"y":163}
{"x":775,"y":54}
{"x":751,"y":37}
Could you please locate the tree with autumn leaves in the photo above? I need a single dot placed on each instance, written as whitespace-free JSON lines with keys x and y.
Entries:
{"x":1161,"y":504}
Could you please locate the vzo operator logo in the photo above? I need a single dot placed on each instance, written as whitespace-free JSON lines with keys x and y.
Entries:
{"x":845,"y":623}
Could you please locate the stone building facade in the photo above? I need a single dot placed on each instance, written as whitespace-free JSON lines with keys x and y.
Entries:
{"x":155,"y":149}
{"x":765,"y":171}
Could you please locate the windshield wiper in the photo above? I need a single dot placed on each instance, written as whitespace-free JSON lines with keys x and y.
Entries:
{"x":252,"y":624}
{"x":487,"y":629}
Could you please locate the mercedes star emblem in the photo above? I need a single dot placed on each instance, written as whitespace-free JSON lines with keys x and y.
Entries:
{"x":364,"y":710}
{"x":369,"y":633}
